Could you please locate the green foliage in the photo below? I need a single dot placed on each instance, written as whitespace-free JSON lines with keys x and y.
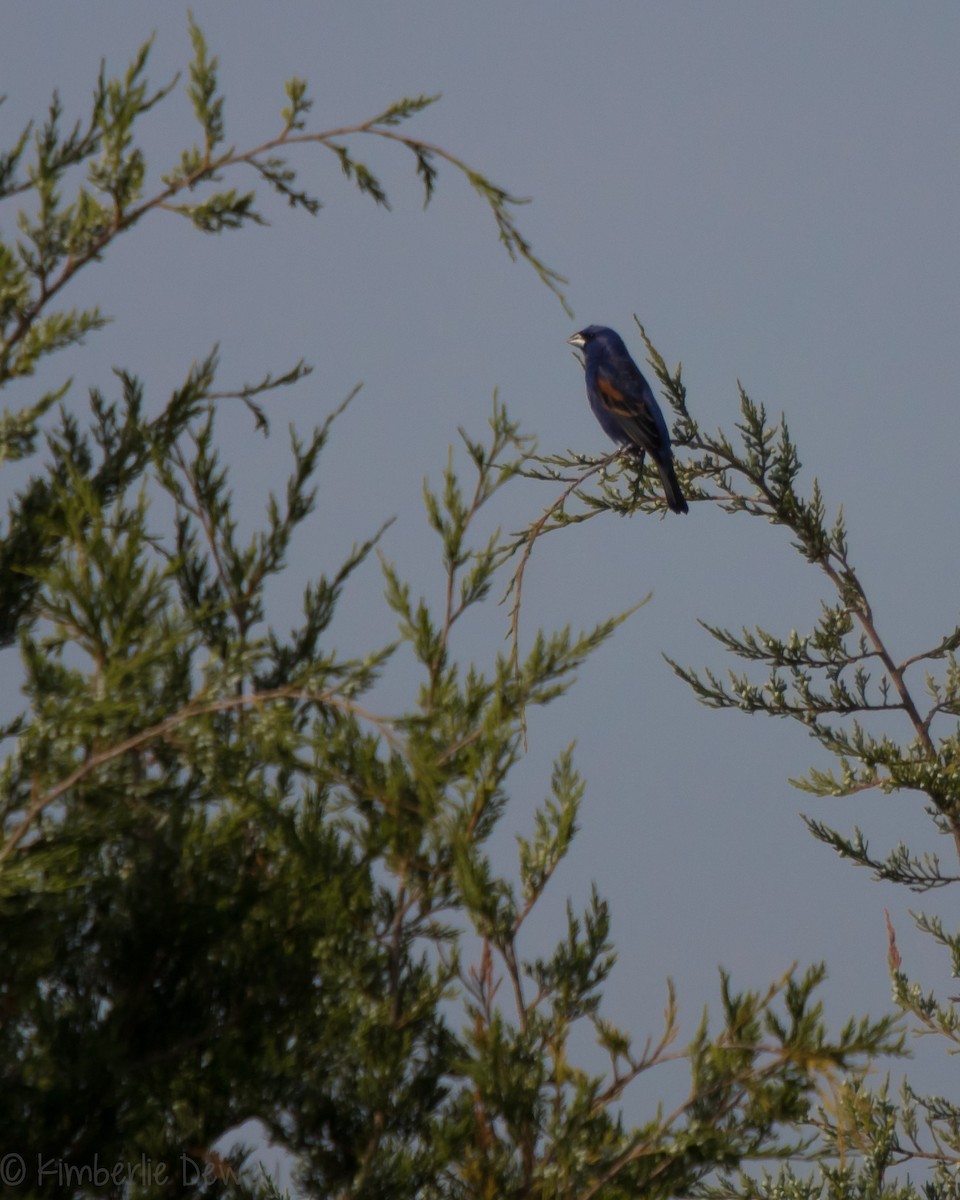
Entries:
{"x":834,"y":680}
{"x":61,"y":237}
{"x":203,"y":91}
{"x":230,"y":887}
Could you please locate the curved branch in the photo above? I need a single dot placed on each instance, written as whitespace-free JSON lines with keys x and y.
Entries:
{"x":42,"y":800}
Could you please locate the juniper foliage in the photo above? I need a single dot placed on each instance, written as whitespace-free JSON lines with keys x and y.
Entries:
{"x":839,"y":680}
{"x":230,"y":886}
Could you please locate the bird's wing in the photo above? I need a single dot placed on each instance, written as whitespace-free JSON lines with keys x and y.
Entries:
{"x":629,"y":407}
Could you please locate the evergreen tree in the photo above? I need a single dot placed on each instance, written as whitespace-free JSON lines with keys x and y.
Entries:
{"x":232,"y":888}
{"x":839,"y":681}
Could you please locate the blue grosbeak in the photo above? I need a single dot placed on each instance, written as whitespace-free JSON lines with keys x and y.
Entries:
{"x":624,"y":405}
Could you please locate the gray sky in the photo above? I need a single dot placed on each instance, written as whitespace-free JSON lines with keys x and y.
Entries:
{"x":773,"y":190}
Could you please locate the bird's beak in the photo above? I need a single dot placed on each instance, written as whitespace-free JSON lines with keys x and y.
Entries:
{"x":576,"y":340}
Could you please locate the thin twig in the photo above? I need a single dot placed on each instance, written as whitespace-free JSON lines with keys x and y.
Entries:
{"x":516,"y":582}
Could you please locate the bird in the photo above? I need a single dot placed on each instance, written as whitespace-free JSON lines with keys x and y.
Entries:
{"x":624,"y":405}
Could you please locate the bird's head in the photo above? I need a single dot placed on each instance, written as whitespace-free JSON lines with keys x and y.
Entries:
{"x":598,"y":335}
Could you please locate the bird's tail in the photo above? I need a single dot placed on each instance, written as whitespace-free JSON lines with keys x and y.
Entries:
{"x":671,"y":486}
